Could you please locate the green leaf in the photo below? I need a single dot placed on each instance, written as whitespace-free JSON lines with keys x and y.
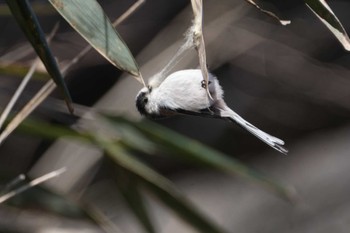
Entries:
{"x":21,"y":70}
{"x":162,"y":187}
{"x":321,"y":9}
{"x":179,"y":146}
{"x":184,"y":209}
{"x":88,"y":18}
{"x":134,"y":139}
{"x":29,"y":24}
{"x":128,"y":185}
{"x":187,"y":149}
{"x":50,"y":131}
{"x":48,"y":201}
{"x":158,"y":184}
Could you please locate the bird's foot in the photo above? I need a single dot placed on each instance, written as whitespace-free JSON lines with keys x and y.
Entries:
{"x":204,"y":84}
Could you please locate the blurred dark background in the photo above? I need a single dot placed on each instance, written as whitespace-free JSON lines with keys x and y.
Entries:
{"x":291,"y":81}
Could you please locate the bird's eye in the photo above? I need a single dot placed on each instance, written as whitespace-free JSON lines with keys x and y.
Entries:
{"x":145,"y":100}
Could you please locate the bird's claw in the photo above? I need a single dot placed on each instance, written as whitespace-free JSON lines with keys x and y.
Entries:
{"x":204,"y":84}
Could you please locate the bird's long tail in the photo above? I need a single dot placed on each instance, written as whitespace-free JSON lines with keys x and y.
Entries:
{"x":272,"y":141}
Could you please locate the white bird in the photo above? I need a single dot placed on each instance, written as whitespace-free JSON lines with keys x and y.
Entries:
{"x":184,"y":92}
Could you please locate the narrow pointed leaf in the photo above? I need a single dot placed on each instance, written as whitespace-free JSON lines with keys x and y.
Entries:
{"x":134,"y":139}
{"x":187,"y":149}
{"x":158,"y":184}
{"x":50,"y":131}
{"x":88,"y":18}
{"x":161,"y":186}
{"x":46,"y":200}
{"x":29,"y":24}
{"x":129,"y":188}
{"x":184,"y":209}
{"x":321,"y":9}
{"x":20,"y":70}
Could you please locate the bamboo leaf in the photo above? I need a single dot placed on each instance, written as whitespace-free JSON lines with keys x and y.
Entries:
{"x":183,"y":209}
{"x":20,"y":70}
{"x":134,"y":139}
{"x":181,"y":147}
{"x":88,"y":19}
{"x":128,"y":186}
{"x":160,"y":186}
{"x":46,"y":200}
{"x":322,"y":10}
{"x":50,"y":131}
{"x":48,"y":88}
{"x":29,"y":24}
{"x":187,"y":149}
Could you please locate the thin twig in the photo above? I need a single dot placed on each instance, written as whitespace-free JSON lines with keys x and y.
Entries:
{"x":102,"y":220}
{"x":198,"y":38}
{"x":31,"y":184}
{"x":24,"y":50}
{"x":30,"y":106}
{"x":18,"y":92}
{"x":16,"y":54}
{"x":15,"y":122}
{"x":128,"y":12}
{"x":269,"y":13}
{"x":25,"y":81}
{"x":13,"y":183}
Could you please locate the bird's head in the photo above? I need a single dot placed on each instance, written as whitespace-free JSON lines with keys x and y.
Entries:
{"x":142,"y":101}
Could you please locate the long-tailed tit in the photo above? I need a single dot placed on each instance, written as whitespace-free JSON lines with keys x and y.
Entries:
{"x":184,"y":92}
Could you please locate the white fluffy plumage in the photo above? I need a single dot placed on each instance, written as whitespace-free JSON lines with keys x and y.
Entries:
{"x":183,"y":92}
